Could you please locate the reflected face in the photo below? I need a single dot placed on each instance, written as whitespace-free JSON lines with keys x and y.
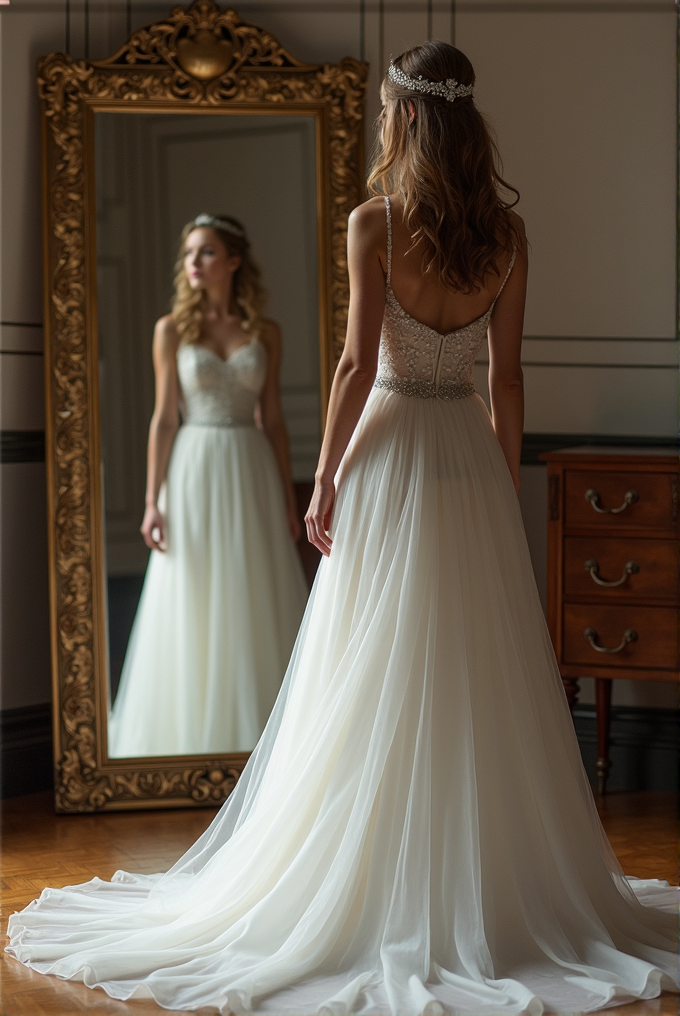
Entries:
{"x":207,"y":262}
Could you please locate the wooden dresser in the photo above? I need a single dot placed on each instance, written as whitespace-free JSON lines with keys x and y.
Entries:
{"x":613,"y":571}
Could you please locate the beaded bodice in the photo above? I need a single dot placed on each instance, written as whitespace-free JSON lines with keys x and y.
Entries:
{"x":217,"y":392}
{"x":415,"y":359}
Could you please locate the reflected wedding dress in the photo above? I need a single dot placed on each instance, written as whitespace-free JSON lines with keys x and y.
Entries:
{"x":220,"y":609}
{"x":414,"y":832}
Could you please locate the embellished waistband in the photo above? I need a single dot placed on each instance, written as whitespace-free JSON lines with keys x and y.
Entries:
{"x":419,"y":389}
{"x":225,"y":422}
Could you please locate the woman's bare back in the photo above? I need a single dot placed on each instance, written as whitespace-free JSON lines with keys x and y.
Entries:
{"x":424,"y":298}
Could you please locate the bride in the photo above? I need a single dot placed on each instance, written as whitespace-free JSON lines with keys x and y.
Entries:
{"x":220,"y":517}
{"x":414,"y":832}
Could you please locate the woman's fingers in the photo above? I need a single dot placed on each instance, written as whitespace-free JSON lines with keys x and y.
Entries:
{"x":316,"y":533}
{"x":152,"y":542}
{"x":318,"y":536}
{"x":154,"y":535}
{"x":317,"y":519}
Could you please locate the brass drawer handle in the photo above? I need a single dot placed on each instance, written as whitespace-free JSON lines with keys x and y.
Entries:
{"x":629,"y":568}
{"x":593,"y":496}
{"x":629,"y":635}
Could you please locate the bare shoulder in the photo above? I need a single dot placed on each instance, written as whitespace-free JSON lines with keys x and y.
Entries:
{"x":166,"y":336}
{"x":367,"y":231}
{"x":270,"y":335}
{"x":369,"y":218}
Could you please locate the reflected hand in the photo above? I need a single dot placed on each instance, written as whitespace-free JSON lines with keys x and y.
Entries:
{"x":294,"y":526}
{"x":153,"y":528}
{"x":318,"y":517}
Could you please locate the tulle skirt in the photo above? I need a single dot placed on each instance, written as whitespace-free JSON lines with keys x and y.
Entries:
{"x":414,"y":832}
{"x":219,"y":610}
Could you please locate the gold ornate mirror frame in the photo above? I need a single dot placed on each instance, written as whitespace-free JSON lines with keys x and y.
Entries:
{"x":200,"y":59}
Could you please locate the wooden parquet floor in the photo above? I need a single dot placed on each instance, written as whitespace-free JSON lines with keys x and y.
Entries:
{"x":40,"y":848}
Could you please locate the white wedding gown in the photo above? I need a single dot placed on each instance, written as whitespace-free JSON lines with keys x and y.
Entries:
{"x":199,"y":677}
{"x":414,"y":832}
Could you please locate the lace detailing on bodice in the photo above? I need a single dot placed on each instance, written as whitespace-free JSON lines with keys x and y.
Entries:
{"x":415,"y":359}
{"x":221,"y":393}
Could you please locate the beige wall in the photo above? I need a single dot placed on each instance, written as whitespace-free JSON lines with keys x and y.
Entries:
{"x":584,"y":106}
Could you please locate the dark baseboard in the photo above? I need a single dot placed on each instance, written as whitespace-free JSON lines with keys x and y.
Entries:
{"x":26,"y":750}
{"x":645,"y":748}
{"x":29,"y":445}
{"x":22,"y":446}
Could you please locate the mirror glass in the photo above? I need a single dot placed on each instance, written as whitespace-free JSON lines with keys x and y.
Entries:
{"x":198,"y":642}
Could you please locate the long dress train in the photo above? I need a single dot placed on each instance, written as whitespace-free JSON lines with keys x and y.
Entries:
{"x":414,"y":832}
{"x":198,"y":675}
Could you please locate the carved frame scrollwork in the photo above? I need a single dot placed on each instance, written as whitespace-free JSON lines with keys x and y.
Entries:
{"x":200,"y":58}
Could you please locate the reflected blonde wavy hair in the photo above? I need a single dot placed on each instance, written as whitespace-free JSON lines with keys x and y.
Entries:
{"x":447,"y":168}
{"x":189,"y":305}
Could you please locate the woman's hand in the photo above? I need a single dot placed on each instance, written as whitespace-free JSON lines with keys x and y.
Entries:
{"x":153,"y":528}
{"x":294,"y":526}
{"x":318,"y":517}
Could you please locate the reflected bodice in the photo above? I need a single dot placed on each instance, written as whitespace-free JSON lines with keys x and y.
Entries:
{"x":221,"y":393}
{"x":415,"y":359}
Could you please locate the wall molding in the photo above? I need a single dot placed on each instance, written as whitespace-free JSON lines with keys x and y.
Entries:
{"x":357,"y":7}
{"x":29,"y":445}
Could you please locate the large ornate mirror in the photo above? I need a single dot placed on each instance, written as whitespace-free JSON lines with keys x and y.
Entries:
{"x":200,"y":122}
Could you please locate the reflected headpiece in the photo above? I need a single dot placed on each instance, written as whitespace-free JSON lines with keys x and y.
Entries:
{"x":228,"y":227}
{"x":449,"y":89}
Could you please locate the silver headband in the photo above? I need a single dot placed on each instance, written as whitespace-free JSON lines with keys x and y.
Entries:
{"x":211,"y":220}
{"x":449,"y":89}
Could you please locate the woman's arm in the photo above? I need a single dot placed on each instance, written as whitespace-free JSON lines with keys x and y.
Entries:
{"x":506,"y":384}
{"x":163,"y":428}
{"x":273,"y":422}
{"x":356,"y":370}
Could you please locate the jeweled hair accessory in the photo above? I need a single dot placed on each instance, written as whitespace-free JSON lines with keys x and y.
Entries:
{"x":211,"y":220}
{"x":449,"y":89}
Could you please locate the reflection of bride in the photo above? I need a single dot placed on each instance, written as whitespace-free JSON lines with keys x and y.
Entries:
{"x":224,"y":592}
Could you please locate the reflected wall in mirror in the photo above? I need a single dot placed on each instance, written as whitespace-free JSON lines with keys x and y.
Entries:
{"x":195,"y":665}
{"x":135,"y":148}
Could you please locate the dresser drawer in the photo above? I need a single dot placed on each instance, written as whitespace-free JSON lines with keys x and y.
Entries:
{"x":612,"y":559}
{"x":656,"y":646}
{"x":637,"y":499}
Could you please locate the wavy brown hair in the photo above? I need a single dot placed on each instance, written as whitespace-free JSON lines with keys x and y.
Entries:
{"x":445,"y":164}
{"x":188,"y":305}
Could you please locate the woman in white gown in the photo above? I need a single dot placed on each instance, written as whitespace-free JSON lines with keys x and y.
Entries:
{"x":414,"y":832}
{"x":198,"y":676}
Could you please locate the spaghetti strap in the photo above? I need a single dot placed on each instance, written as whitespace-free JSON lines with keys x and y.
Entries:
{"x":507,"y":276}
{"x":389,"y":238}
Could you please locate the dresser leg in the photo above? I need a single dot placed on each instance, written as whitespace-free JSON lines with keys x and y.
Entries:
{"x":603,"y":701}
{"x":571,"y":691}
